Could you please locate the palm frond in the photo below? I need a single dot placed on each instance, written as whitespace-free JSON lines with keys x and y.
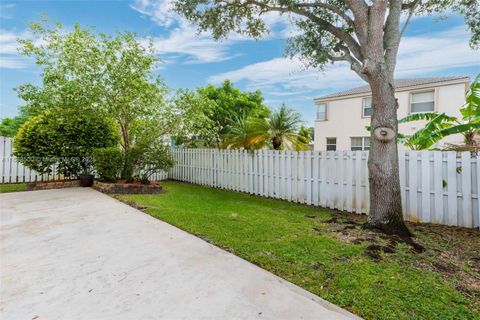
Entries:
{"x":471,"y":109}
{"x":461,"y":128}
{"x":281,"y":126}
{"x":428,"y":116}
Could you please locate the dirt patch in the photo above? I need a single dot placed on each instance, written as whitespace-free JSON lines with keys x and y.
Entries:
{"x":445,"y":267}
{"x":453,"y":253}
{"x":132,"y":204}
{"x":374,"y":251}
{"x":317,"y":265}
{"x":317,"y":230}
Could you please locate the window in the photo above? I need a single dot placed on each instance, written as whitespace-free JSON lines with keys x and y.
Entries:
{"x":322,"y":111}
{"x":360,"y":143}
{"x":331,"y":144}
{"x":367,"y":107}
{"x":422,"y":102}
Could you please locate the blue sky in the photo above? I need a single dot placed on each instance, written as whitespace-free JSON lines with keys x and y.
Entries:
{"x":430,"y":47}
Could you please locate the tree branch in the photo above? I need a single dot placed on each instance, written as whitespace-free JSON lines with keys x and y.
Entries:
{"x":359,"y":9}
{"x":329,"y":7}
{"x":391,"y":35}
{"x":339,"y":33}
{"x":411,"y":9}
{"x":355,"y":65}
{"x":410,"y":5}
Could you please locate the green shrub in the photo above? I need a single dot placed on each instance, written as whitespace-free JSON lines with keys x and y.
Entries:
{"x":63,"y":137}
{"x":157,"y":157}
{"x":108,"y":163}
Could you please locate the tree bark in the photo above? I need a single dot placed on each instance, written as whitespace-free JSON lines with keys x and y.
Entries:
{"x":277,"y":143}
{"x":127,"y":170}
{"x":383,"y":175}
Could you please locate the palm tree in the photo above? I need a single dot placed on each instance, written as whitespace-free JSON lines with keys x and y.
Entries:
{"x":280,"y":130}
{"x":441,"y":125}
{"x":305,"y":135}
{"x":239,"y":134}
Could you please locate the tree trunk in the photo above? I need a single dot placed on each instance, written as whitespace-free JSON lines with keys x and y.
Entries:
{"x":383,"y":175}
{"x":127,"y":170}
{"x":276,"y":143}
{"x":470,"y":139}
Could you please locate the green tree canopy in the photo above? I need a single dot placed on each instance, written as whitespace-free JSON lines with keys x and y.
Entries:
{"x":9,"y":126}
{"x":189,"y":112}
{"x":221,"y":107}
{"x":112,"y":75}
{"x":230,"y":103}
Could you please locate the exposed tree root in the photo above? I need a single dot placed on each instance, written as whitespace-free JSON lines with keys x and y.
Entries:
{"x":398,"y":235}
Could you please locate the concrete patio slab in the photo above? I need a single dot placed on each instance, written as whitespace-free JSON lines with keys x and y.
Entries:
{"x":79,"y":254}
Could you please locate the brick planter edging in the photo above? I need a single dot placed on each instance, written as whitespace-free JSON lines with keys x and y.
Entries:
{"x":45,"y":185}
{"x":125,"y":188}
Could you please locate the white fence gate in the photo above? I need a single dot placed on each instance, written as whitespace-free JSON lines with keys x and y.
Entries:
{"x":437,"y":187}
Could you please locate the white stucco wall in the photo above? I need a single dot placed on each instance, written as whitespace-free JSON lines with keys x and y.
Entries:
{"x":344,"y":115}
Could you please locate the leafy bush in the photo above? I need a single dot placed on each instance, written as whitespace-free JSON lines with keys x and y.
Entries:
{"x":108,"y":163}
{"x":66,"y":138}
{"x":156,"y":157}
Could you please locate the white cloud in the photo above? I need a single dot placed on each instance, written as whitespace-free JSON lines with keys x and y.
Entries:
{"x":418,"y":55}
{"x":3,"y":8}
{"x":182,"y":39}
{"x":9,"y":56}
{"x":160,"y":11}
{"x":8,"y":42}
{"x":12,"y":63}
{"x":289,"y":75}
{"x":436,"y":52}
{"x":197,"y":48}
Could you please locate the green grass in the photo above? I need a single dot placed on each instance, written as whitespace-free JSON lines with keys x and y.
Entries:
{"x":305,"y":246}
{"x":12,"y":187}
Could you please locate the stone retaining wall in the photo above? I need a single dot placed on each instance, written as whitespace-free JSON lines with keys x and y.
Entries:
{"x":123,"y":188}
{"x":44,"y":185}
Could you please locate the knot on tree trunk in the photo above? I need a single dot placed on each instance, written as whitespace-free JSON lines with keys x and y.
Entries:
{"x":384,"y":134}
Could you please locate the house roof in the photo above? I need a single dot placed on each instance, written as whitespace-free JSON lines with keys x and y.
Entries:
{"x":399,"y":83}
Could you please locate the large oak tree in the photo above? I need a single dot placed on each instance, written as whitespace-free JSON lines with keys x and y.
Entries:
{"x":365,"y":34}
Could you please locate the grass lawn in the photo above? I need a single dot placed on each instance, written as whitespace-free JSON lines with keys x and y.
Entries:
{"x":329,"y":254}
{"x":12,"y":187}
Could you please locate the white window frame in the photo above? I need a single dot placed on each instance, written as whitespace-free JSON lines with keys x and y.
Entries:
{"x":331,"y":144}
{"x":324,"y":112}
{"x":423,"y":91}
{"x":363,"y":107}
{"x":363,"y":147}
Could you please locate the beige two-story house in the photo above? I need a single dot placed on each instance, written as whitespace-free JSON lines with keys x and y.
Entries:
{"x":341,"y":117}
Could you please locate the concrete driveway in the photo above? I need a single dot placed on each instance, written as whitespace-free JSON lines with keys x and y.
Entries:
{"x":79,"y":254}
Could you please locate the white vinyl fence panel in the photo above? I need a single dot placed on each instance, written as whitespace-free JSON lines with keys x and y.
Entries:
{"x":436,"y":187}
{"x":12,"y":171}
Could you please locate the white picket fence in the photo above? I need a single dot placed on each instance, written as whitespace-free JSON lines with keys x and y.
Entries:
{"x":437,"y":187}
{"x":12,"y":171}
